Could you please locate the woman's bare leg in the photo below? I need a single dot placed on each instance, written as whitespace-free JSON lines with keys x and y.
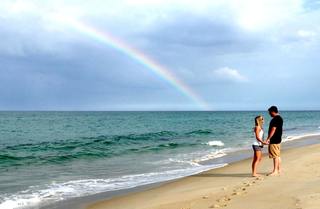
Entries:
{"x":255,"y":161}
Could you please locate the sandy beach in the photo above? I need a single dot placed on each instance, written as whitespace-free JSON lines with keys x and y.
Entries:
{"x":233,"y":187}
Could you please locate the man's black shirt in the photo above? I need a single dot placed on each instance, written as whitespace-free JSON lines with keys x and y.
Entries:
{"x":278,"y":123}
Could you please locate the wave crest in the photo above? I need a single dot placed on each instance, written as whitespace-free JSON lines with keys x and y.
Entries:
{"x":48,"y":194}
{"x":215,"y":143}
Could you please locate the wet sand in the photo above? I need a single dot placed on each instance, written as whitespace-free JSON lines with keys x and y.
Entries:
{"x":233,"y":187}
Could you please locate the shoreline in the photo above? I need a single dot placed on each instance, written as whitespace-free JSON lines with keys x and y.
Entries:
{"x":229,"y":186}
{"x":233,"y":159}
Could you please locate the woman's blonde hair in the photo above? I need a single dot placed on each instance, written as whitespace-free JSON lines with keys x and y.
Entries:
{"x":259,"y":121}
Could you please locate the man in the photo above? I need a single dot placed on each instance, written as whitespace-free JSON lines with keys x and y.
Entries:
{"x":274,"y":139}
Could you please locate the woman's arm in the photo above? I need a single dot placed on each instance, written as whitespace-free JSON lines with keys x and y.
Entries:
{"x":257,"y":130}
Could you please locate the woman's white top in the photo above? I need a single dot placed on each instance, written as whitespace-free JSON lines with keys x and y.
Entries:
{"x":256,"y":142}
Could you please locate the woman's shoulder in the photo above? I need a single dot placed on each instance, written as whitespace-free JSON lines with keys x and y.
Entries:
{"x":257,"y":128}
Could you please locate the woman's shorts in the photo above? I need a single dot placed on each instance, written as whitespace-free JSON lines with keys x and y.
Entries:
{"x":274,"y":150}
{"x":257,"y":148}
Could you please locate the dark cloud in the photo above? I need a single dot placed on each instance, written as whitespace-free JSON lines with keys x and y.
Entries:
{"x":196,"y":32}
{"x":90,"y":78}
{"x":47,"y":67}
{"x":193,"y":46}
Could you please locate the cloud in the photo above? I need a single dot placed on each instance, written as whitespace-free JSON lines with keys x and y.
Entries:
{"x":229,"y":74}
{"x":216,"y":26}
{"x":306,"y":35}
{"x":45,"y":60}
{"x":266,"y":14}
{"x":311,"y":4}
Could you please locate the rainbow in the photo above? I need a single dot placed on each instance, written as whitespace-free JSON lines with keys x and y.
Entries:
{"x":149,"y":63}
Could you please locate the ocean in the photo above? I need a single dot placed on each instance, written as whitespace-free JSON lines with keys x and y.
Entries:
{"x":49,"y":157}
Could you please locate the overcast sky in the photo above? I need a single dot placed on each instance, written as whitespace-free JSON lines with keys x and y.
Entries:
{"x":234,"y":54}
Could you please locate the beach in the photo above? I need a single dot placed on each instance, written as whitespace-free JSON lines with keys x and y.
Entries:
{"x":61,"y":160}
{"x":158,"y":104}
{"x":233,"y":187}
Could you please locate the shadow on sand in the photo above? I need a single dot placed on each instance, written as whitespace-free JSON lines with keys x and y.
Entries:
{"x":226,"y":175}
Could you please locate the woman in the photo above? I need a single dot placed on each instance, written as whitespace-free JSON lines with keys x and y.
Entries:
{"x":257,"y":144}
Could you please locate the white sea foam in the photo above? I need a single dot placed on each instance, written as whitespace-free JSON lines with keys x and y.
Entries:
{"x":190,"y":162}
{"x":195,"y":158}
{"x":215,"y":143}
{"x":211,"y":155}
{"x":37,"y":196}
{"x":295,"y":137}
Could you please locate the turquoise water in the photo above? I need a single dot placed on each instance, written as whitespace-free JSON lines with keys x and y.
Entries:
{"x":47,"y":157}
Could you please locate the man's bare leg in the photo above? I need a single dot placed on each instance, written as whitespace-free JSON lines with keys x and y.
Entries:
{"x":276,"y":166}
{"x":279,"y":166}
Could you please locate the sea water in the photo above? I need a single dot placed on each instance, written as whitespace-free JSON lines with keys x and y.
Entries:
{"x":48,"y":157}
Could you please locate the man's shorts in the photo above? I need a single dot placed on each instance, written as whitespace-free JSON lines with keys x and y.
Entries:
{"x":274,"y":150}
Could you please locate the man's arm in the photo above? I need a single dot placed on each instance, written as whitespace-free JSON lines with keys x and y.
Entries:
{"x":273,"y":130}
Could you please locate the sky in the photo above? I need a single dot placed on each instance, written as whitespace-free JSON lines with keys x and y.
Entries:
{"x":159,"y":54}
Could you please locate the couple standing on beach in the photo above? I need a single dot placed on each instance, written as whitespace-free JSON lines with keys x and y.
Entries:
{"x":273,"y":141}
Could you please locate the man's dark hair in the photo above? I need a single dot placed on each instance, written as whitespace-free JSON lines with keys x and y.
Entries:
{"x":273,"y":109}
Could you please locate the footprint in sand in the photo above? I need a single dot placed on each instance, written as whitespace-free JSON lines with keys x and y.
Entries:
{"x":218,"y":206}
{"x":222,"y":202}
{"x":248,"y":185}
{"x":224,"y":199}
{"x":215,"y":206}
{"x":239,"y":190}
{"x":260,"y":178}
{"x":236,"y":193}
